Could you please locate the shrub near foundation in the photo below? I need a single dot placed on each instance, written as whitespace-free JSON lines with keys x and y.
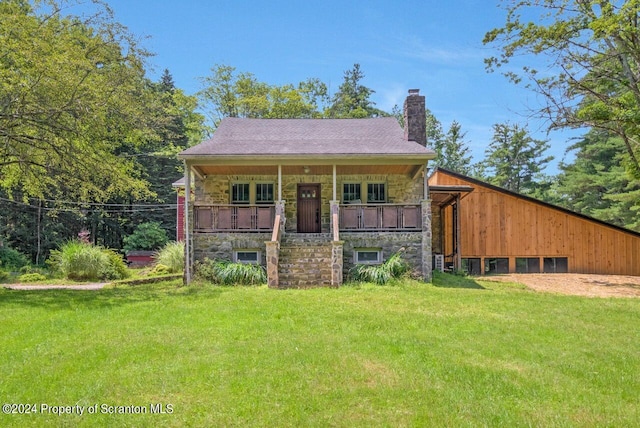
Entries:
{"x":381,"y":274}
{"x":228,"y":273}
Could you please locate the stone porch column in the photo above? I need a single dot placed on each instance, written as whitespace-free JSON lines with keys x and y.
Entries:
{"x":273,"y":253}
{"x":273,"y":250}
{"x":426,"y":240}
{"x":336,"y":263}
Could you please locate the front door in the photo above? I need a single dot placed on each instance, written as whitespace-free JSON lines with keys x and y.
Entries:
{"x":309,"y":208}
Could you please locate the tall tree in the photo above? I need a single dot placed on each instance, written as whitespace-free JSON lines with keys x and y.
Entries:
{"x":595,"y":183}
{"x":513,"y":159}
{"x":353,"y":99}
{"x":71,"y":98}
{"x":454,"y":152}
{"x":435,"y":136}
{"x":227,"y":93}
{"x":592,"y":57}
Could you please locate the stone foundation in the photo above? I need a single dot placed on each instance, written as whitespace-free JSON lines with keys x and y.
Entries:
{"x":220,"y":246}
{"x":389,"y":242}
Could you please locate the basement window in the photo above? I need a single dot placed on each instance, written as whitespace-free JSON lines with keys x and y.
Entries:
{"x":496,"y":265}
{"x":527,"y":265}
{"x":472,"y":266}
{"x":367,"y":256}
{"x":247,"y":256}
{"x":556,"y":265}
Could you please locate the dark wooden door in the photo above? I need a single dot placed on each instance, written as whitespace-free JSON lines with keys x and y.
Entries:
{"x":309,"y":208}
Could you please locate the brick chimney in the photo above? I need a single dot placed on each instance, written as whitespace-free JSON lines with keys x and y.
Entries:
{"x":415,"y":126}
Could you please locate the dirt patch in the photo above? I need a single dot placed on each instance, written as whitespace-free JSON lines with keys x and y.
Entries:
{"x":576,"y":284}
{"x":94,"y":286}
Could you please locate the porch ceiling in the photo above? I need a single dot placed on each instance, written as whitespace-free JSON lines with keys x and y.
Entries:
{"x":300,"y":169}
{"x":443,"y":195}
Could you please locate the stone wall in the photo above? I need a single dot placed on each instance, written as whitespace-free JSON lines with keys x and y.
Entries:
{"x":389,"y":242}
{"x":220,"y":246}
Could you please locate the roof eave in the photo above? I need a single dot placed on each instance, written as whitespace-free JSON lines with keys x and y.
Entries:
{"x":311,"y":159}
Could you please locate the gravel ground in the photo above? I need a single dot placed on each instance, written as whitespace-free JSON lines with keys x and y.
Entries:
{"x":94,"y":286}
{"x":577,"y":284}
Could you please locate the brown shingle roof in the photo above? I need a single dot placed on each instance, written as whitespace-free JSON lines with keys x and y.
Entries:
{"x":298,"y":137}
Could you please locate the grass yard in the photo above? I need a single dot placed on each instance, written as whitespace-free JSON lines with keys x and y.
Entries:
{"x":459,"y":354}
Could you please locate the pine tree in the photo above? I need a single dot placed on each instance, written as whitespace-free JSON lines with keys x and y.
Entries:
{"x":514,"y":160}
{"x":455,"y":151}
{"x":596,"y":183}
{"x":353,"y":98}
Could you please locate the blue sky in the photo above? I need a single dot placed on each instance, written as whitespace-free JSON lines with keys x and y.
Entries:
{"x":435,"y":46}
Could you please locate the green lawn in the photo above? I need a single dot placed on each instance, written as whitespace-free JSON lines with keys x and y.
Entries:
{"x":470,"y":354}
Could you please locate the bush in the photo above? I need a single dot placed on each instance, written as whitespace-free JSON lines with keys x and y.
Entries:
{"x":228,"y":273}
{"x":146,"y":237}
{"x":12,"y":259}
{"x":116,"y":268}
{"x":81,"y":261}
{"x":394,"y":267}
{"x":31,"y":277}
{"x":159,"y":269}
{"x":3,"y":275}
{"x":171,"y":256}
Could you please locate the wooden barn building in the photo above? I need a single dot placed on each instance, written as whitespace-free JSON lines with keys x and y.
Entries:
{"x":481,"y":228}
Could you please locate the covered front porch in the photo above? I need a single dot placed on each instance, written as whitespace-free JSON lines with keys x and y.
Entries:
{"x":312,"y":201}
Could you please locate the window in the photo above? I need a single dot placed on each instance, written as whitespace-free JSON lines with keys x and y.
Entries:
{"x":247,"y":256}
{"x":240,"y":193}
{"x":527,"y":265}
{"x":472,"y":266}
{"x":252,"y":193}
{"x":496,"y":265}
{"x":556,"y":265}
{"x":264,"y":193}
{"x":351,"y":193}
{"x":369,"y":256}
{"x":376,"y":193}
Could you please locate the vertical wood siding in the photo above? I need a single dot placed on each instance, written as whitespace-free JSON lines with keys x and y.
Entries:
{"x":501,"y":224}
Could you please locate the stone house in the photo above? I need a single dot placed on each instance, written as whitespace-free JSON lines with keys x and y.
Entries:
{"x":309,"y":198}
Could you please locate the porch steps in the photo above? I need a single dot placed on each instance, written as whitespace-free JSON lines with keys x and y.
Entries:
{"x":305,"y":261}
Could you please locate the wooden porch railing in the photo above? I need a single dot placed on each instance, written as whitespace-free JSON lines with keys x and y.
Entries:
{"x":240,"y":218}
{"x":382,"y":217}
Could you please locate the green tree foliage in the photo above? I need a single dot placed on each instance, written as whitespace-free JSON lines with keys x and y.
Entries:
{"x":435,"y":136}
{"x":353,"y":99}
{"x":86,"y":140}
{"x":513,"y":159}
{"x":592,"y":51}
{"x":71,"y":96}
{"x":455,"y":154}
{"x":227,"y":93}
{"x":146,"y":237}
{"x":595,"y":183}
{"x":452,"y":152}
{"x":177,"y":126}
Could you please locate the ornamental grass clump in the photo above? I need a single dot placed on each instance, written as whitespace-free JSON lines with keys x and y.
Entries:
{"x":229,"y":273}
{"x":381,"y":274}
{"x":171,"y":257}
{"x":82,"y":261}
